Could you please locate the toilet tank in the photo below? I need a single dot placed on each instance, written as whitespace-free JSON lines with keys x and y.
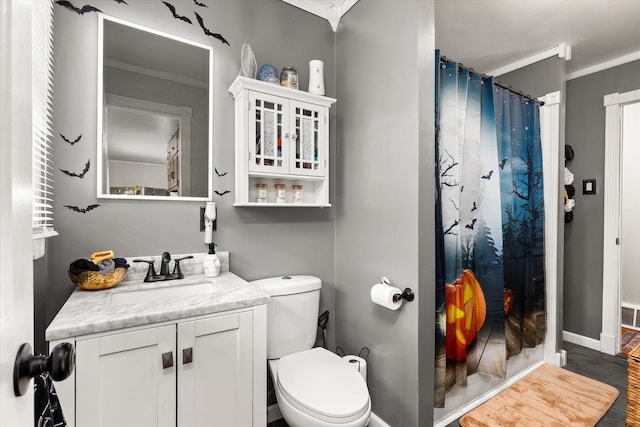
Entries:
{"x":292,"y":314}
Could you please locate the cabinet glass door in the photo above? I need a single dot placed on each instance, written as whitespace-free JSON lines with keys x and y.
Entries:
{"x":268,"y":132}
{"x":307,"y":155}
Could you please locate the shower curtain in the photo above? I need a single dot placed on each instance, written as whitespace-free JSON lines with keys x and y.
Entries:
{"x":490,"y":300}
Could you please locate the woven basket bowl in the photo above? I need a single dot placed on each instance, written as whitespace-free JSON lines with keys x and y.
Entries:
{"x":94,"y":280}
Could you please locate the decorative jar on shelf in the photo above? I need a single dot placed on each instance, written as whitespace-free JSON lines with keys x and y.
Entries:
{"x":281,"y":193}
{"x":262,"y":193}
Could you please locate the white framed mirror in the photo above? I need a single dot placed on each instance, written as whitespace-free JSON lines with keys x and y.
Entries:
{"x":155,"y":100}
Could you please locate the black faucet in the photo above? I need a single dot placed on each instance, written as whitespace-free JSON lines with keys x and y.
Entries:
{"x":164,"y":268}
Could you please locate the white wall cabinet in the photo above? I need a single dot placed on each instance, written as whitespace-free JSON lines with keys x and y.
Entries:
{"x":282,"y":137}
{"x":205,"y":371}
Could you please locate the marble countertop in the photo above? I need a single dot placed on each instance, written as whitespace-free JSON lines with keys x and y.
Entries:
{"x":88,"y":312}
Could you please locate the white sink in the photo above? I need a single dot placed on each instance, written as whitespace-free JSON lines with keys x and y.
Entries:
{"x":136,"y":296}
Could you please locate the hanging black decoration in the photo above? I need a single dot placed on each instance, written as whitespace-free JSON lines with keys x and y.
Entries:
{"x":67,"y":140}
{"x":218,"y":173}
{"x":82,"y":210}
{"x":222,"y":193}
{"x":200,"y":4}
{"x":80,"y":11}
{"x":208,"y":32}
{"x":175,"y":15}
{"x":81,"y":174}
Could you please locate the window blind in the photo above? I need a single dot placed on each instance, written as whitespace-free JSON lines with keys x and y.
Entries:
{"x":42,"y":84}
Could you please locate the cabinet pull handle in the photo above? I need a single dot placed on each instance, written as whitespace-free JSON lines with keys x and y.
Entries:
{"x":286,"y":135}
{"x":187,"y":355}
{"x":167,"y":359}
{"x":294,"y":136}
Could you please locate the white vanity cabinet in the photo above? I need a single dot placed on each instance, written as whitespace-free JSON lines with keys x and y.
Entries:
{"x":203,"y":371}
{"x":282,"y":137}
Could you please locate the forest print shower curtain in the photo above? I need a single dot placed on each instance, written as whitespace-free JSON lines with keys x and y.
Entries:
{"x":490,"y":300}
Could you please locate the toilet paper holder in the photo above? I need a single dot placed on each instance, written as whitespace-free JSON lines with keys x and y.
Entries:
{"x":407,"y":294}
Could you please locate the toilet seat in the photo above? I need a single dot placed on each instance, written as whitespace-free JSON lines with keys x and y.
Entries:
{"x":321,"y":384}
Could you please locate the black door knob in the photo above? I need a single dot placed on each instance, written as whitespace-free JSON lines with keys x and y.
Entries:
{"x":59,"y":364}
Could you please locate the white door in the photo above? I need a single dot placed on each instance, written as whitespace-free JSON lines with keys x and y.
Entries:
{"x":16,"y":265}
{"x":215,"y":360}
{"x":127,"y":379}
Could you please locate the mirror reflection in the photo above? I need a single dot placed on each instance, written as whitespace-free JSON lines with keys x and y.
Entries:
{"x":155,"y":115}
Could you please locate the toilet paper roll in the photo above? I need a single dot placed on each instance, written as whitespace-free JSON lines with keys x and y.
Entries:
{"x":382,"y":294}
{"x":358,"y":363}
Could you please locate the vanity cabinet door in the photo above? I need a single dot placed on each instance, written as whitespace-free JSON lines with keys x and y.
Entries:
{"x":215,"y":371}
{"x":121,"y":380}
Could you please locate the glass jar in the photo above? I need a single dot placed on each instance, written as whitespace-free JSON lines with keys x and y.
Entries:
{"x":289,"y":77}
{"x":262,"y":193}
{"x":297,"y":193}
{"x":281,"y":193}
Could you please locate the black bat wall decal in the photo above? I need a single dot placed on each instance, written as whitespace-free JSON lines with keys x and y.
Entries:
{"x":209,"y":33}
{"x":222,"y":193}
{"x":81,"y":210}
{"x":218,"y":173}
{"x":200,"y":4}
{"x":79,"y":175}
{"x":121,"y":1}
{"x":488,"y":176}
{"x":80,"y":11}
{"x":175,"y":15}
{"x":502,"y":163}
{"x":69,"y":141}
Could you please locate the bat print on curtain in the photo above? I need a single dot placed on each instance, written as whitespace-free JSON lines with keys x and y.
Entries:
{"x":489,"y":227}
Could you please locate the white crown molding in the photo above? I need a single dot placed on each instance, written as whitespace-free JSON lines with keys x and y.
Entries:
{"x":563,"y":50}
{"x":604,"y":65}
{"x":332,"y":10}
{"x":154,"y":73}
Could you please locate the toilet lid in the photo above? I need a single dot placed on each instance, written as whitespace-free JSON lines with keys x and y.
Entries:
{"x":322,"y":382}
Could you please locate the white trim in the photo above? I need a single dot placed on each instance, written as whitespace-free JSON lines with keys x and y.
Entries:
{"x":610,"y":335}
{"x":550,"y":138}
{"x":581,"y":340}
{"x":376,"y":421}
{"x":563,"y":50}
{"x":331,"y":11}
{"x":154,"y":73}
{"x":625,"y":59}
{"x":483,"y":398}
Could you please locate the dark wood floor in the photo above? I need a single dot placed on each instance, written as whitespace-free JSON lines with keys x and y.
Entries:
{"x":593,"y":364}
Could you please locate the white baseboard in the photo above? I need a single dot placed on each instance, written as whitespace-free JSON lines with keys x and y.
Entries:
{"x":581,"y":340}
{"x":376,"y":421}
{"x":273,"y":413}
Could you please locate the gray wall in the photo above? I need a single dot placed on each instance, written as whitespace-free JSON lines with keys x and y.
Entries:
{"x":263,"y":241}
{"x":384,"y":198}
{"x":537,"y":80}
{"x":584,"y":236}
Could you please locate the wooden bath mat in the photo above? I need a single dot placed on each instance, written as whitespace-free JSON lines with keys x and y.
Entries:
{"x":548,"y":396}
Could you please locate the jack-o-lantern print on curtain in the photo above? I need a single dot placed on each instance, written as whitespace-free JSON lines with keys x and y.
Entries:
{"x":489,"y":227}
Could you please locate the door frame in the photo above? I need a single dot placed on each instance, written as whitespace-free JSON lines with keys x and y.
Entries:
{"x":610,"y":335}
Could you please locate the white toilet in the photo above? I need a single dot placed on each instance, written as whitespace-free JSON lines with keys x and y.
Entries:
{"x":314,"y":387}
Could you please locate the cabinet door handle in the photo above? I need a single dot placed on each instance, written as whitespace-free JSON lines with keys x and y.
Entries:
{"x":167,"y":359}
{"x":187,"y":355}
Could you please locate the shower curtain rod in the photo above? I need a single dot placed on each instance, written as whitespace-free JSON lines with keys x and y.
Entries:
{"x":497,"y":83}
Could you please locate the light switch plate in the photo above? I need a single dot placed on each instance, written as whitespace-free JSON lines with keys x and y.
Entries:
{"x":589,"y":186}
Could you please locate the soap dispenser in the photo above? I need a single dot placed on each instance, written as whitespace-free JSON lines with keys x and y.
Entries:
{"x":211,"y":262}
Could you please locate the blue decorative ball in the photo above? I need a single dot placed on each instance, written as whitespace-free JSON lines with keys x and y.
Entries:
{"x":267,"y":72}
